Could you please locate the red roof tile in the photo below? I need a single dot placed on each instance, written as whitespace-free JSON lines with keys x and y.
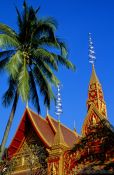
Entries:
{"x":45,"y":129}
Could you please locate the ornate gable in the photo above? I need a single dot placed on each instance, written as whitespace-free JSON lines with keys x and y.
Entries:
{"x":28,"y":157}
{"x":92,"y":118}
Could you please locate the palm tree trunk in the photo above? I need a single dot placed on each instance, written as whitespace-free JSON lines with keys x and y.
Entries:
{"x":8,"y":126}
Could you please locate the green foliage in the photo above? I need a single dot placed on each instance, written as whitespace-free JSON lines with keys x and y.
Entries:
{"x":14,"y":64}
{"x":23,"y":82}
{"x":10,"y":92}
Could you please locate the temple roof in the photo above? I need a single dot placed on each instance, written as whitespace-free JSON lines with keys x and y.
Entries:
{"x":45,"y":128}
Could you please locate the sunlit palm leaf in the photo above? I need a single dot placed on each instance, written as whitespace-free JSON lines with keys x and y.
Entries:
{"x":47,"y":71}
{"x":33,"y":92}
{"x":23,"y":83}
{"x":45,"y":56}
{"x":7,"y":41}
{"x":44,"y":86}
{"x":14,"y":63}
{"x":4,"y":29}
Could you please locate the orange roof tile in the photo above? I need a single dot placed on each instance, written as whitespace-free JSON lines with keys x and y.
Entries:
{"x":45,"y":129}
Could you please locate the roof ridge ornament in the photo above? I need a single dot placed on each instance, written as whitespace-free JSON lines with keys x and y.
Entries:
{"x":58,"y":103}
{"x":92,"y":56}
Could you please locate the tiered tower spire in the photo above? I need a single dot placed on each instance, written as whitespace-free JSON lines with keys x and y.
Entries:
{"x":59,"y":139}
{"x":59,"y":145}
{"x":95,"y":92}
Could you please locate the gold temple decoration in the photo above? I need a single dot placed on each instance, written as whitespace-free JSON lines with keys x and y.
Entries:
{"x":95,"y":93}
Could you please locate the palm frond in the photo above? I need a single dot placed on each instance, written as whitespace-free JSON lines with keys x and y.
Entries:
{"x":44,"y":40}
{"x":32,"y":18}
{"x":6,"y":53}
{"x":33,"y":92}
{"x":8,"y":96}
{"x":36,"y":11}
{"x":7,"y":41}
{"x":14,"y":63}
{"x":49,"y":22}
{"x":3,"y":63}
{"x":24,"y":4}
{"x":19,"y":19}
{"x":44,"y":85}
{"x":46,"y":71}
{"x":63,"y":47}
{"x":45,"y":56}
{"x":65,"y":62}
{"x":46,"y":29}
{"x":25,"y":13}
{"x":23,"y":83}
{"x":4,"y":29}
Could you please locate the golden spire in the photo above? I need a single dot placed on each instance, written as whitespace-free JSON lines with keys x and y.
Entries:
{"x":95,"y":92}
{"x":94,"y":78}
{"x":59,"y":138}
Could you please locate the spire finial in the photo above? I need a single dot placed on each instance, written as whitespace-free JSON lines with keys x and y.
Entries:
{"x":92,"y":56}
{"x":58,"y":108}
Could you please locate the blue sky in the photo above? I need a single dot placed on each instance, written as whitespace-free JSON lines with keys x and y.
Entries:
{"x":76,"y":18}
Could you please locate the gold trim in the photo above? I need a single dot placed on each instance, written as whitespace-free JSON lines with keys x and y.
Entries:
{"x":51,"y":123}
{"x":94,"y":108}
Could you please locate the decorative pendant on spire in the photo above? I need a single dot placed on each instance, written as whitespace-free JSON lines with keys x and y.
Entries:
{"x":92,"y":56}
{"x":58,"y":108}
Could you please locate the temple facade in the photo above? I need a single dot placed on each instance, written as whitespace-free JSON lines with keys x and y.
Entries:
{"x":46,"y":146}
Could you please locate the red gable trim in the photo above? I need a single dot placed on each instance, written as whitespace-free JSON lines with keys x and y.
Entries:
{"x":18,"y":137}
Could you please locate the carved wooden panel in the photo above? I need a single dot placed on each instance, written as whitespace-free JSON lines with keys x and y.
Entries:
{"x":31,"y":154}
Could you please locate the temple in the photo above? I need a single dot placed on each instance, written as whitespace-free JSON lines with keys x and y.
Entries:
{"x":46,"y":146}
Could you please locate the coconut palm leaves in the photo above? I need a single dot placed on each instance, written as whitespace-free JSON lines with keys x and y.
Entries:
{"x":29,"y":58}
{"x":28,"y":54}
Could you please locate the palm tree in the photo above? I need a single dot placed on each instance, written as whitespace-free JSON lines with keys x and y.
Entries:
{"x":30,"y":56}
